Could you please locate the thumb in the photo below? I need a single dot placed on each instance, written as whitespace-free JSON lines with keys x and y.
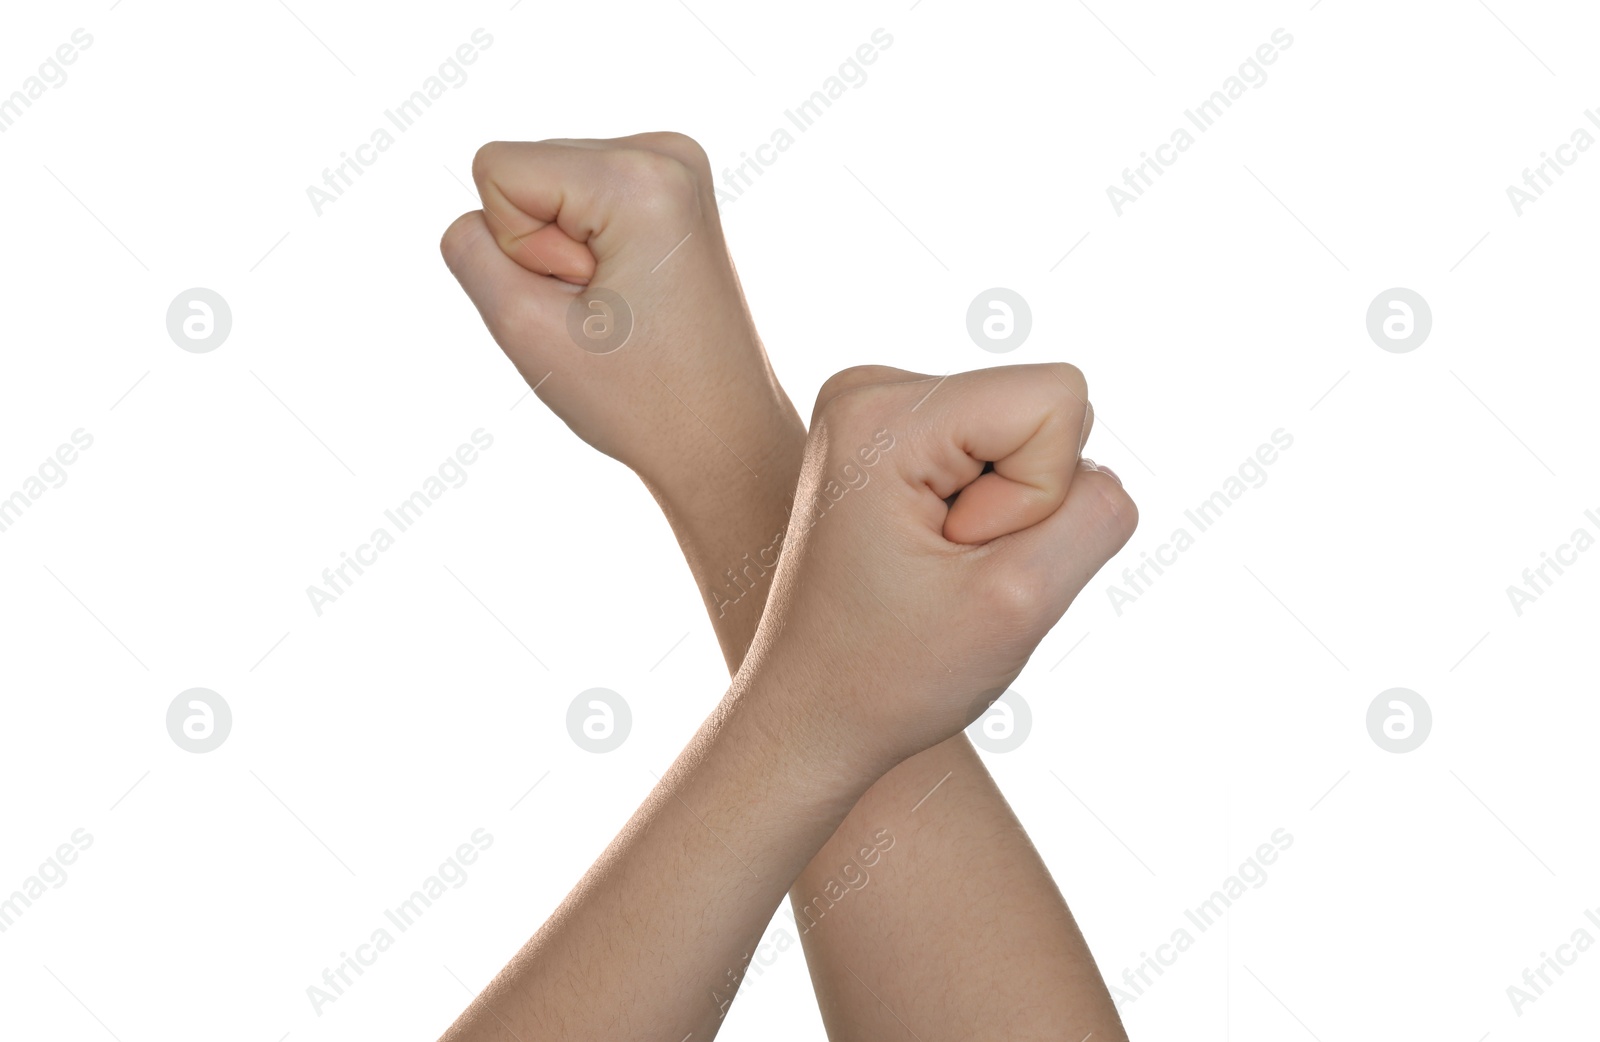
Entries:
{"x":1028,"y":422}
{"x":513,"y":301}
{"x":1094,"y":522}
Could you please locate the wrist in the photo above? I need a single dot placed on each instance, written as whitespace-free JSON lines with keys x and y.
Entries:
{"x":758,"y":453}
{"x":830,"y":761}
{"x":732,"y":524}
{"x":732,"y":422}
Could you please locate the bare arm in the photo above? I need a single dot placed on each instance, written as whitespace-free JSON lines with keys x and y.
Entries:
{"x":960,"y":928}
{"x":644,"y":945}
{"x":725,"y":487}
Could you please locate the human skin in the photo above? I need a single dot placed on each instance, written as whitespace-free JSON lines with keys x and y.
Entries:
{"x":962,"y":929}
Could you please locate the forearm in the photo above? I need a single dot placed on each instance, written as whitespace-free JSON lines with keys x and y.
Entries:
{"x":977,"y":536}
{"x":730,"y":523}
{"x":959,"y":930}
{"x":651,"y":943}
{"x":961,"y":872}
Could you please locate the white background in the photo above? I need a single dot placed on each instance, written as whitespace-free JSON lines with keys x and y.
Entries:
{"x":1228,"y":302}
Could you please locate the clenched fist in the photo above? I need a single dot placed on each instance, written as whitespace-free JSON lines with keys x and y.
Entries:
{"x":600,"y":268}
{"x":940,"y":529}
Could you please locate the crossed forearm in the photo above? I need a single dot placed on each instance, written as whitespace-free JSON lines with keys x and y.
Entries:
{"x":655,"y":939}
{"x":975,"y":537}
{"x":643,"y":946}
{"x":920,"y":944}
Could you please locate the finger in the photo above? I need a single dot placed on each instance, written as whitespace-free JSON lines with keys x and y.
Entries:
{"x":1094,"y":522}
{"x":511,"y":299}
{"x":847,"y":380}
{"x":681,"y":147}
{"x":684,"y":149}
{"x":597,"y":198}
{"x":546,"y":250}
{"x":1028,"y":421}
{"x":528,"y":187}
{"x":528,"y":231}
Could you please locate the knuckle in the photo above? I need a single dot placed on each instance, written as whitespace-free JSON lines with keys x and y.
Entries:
{"x":682,"y":147}
{"x":453,"y":243}
{"x":852,"y":412}
{"x":1073,"y":384}
{"x":1014,"y":595}
{"x":849,"y":399}
{"x":846,"y":379}
{"x":1117,"y":515}
{"x":661,"y":185}
{"x":483,"y":160}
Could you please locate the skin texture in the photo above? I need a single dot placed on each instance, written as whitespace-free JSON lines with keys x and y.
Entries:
{"x":961,"y":930}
